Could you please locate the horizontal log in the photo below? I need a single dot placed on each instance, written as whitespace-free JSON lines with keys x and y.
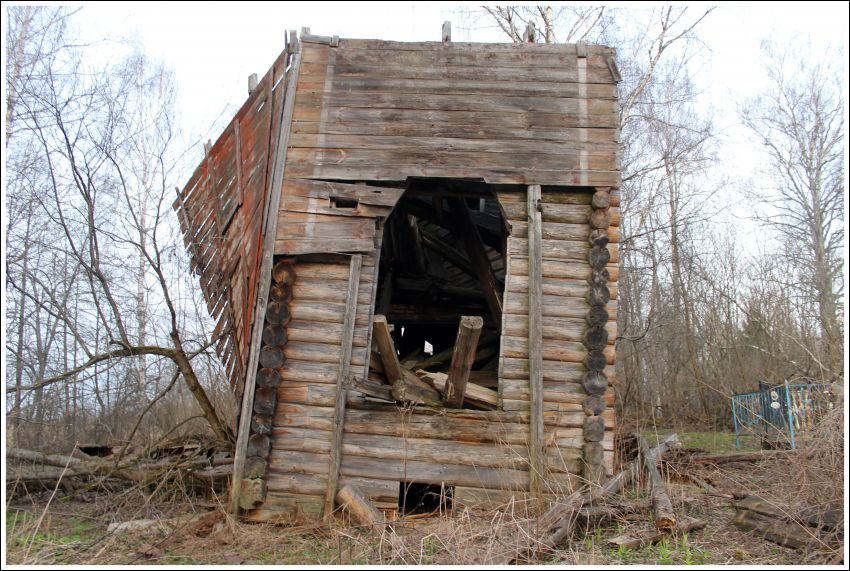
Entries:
{"x":562,"y":351}
{"x":517,"y":368}
{"x":509,"y":428}
{"x":563,"y":213}
{"x":466,"y":128}
{"x":416,"y":471}
{"x":439,"y":144}
{"x":557,"y":328}
{"x":561,"y":269}
{"x":282,"y":508}
{"x":567,"y":250}
{"x":418,"y":54}
{"x":637,"y":541}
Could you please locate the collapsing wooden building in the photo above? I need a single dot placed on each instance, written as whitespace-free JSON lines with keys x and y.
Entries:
{"x":410,"y":250}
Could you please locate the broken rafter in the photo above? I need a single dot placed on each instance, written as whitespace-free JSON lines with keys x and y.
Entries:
{"x":466,"y":229}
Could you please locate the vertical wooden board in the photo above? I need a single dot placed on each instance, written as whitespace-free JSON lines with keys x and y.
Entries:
{"x":342,"y":383}
{"x":535,"y":335}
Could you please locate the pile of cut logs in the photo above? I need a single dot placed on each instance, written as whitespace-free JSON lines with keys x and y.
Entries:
{"x":410,"y":382}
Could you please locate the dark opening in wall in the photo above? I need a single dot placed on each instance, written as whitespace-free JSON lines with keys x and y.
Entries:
{"x":442,"y":258}
{"x":415,"y":498}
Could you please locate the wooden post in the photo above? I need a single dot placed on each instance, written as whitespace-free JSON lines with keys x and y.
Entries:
{"x":342,"y":382}
{"x":447,"y":31}
{"x":665,"y":517}
{"x":530,"y":33}
{"x":269,"y":231}
{"x":535,"y":336}
{"x":462,"y":358}
{"x":252,"y":83}
{"x":381,"y":332}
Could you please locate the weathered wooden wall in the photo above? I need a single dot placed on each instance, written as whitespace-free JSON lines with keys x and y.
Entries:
{"x":507,"y":113}
{"x":381,"y":112}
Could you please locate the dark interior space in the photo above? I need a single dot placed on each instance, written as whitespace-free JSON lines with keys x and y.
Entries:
{"x":416,"y":498}
{"x":443,"y":257}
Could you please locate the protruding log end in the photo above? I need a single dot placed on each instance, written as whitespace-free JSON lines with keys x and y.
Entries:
{"x":272,"y":357}
{"x":280,"y":292}
{"x":600,"y":219}
{"x":595,"y":360}
{"x":259,"y":445}
{"x":283,"y":271}
{"x":265,"y":400}
{"x":255,"y":467}
{"x":601,"y":199}
{"x":594,"y":429}
{"x":595,"y":383}
{"x":599,"y":258}
{"x":262,"y":423}
{"x":599,"y":237}
{"x":277,"y":313}
{"x":593,"y":405}
{"x":269,"y":378}
{"x":252,"y":492}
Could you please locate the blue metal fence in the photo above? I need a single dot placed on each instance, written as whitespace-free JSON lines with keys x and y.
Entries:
{"x":786,"y":409}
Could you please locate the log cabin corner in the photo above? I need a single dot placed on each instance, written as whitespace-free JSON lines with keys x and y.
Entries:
{"x":410,"y":252}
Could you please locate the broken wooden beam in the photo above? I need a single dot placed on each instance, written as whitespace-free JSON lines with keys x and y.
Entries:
{"x":410,"y":389}
{"x":358,"y":507}
{"x":373,"y":389}
{"x":662,"y":507}
{"x":386,"y":347}
{"x":465,"y":228}
{"x":462,"y":358}
{"x":473,"y":394}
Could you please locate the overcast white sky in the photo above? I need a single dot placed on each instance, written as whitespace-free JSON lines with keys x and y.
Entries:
{"x":214,"y":46}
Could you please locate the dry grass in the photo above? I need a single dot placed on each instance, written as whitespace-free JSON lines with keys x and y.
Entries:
{"x":74,"y":531}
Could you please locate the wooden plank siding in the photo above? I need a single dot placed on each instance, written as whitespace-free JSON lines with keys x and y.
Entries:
{"x":514,"y":114}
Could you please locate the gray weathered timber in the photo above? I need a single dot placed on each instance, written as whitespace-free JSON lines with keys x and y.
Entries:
{"x":342,"y":384}
{"x":535,"y":335}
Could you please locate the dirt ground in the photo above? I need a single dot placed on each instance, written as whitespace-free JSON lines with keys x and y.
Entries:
{"x":191,"y":531}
